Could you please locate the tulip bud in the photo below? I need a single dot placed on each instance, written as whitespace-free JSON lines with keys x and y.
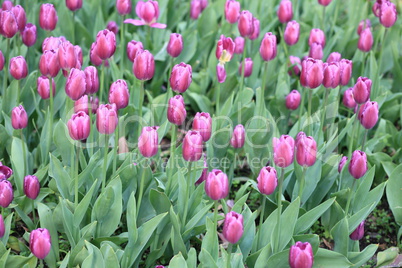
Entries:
{"x":358,"y":233}
{"x":181,"y":77}
{"x":285,"y":12}
{"x":220,"y":73}
{"x":148,"y":141}
{"x":113,"y":27}
{"x":18,"y":67}
{"x":79,"y":126}
{"x":312,"y":73}
{"x":283,"y":150}
{"x":217,"y":185}
{"x":248,"y":67}
{"x":82,"y":104}
{"x":256,"y":29}
{"x":306,"y":150}
{"x":203,"y":124}
{"x":91,"y":80}
{"x":293,"y":100}
{"x":362,"y":90}
{"x":365,"y":40}
{"x":245,"y":23}
{"x":345,"y":67}
{"x":369,"y":114}
{"x":50,"y":43}
{"x":388,"y":14}
{"x":9,"y":25}
{"x":238,"y":137}
{"x":239,"y":45}
{"x":358,"y":164}
{"x":67,"y":56}
{"x":176,"y":112}
{"x":316,"y":36}
{"x":2,"y":60}
{"x":376,"y":8}
{"x":147,"y":11}
{"x":105,"y":44}
{"x":20,"y":16}
{"x":267,"y":180}
{"x":268,"y":47}
{"x":233,"y":227}
{"x":204,"y":173}
{"x":123,"y":7}
{"x":49,"y":63}
{"x":324,"y":2}
{"x":175,"y":45}
{"x":224,"y":49}
{"x":119,"y":94}
{"x":31,"y":186}
{"x":5,"y":172}
{"x":6,"y":193}
{"x":301,"y":255}
{"x":144,"y":65}
{"x":28,"y":35}
{"x":331,"y":75}
{"x":48,"y":17}
{"x":334,"y":57}
{"x":295,"y":61}
{"x":40,"y":243}
{"x":342,"y":163}
{"x":316,"y":51}
{"x":192,"y":146}
{"x":19,"y":117}
{"x":348,"y":99}
{"x":106,"y":118}
{"x":232,"y":11}
{"x":2,"y":226}
{"x":74,"y":5}
{"x":292,"y":32}
{"x":7,"y":5}
{"x":93,"y":56}
{"x":75,"y":85}
{"x":195,"y":9}
{"x":132,"y":48}
{"x":43,"y":86}
{"x":363,"y":25}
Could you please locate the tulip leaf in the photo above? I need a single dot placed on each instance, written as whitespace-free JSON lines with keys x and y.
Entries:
{"x":7,"y":227}
{"x":178,"y":261}
{"x":46,"y":221}
{"x":206,"y":259}
{"x":82,"y":207}
{"x":359,"y":216}
{"x":109,"y":256}
{"x":196,"y":220}
{"x":63,"y":142}
{"x":266,"y":259}
{"x":360,"y":258}
{"x":247,"y":239}
{"x":313,"y":239}
{"x":362,"y":190}
{"x":394,"y":193}
{"x":94,"y":259}
{"x":176,"y":238}
{"x":340,"y":233}
{"x":210,"y":242}
{"x":18,"y":161}
{"x":60,"y":175}
{"x":192,"y":258}
{"x":330,"y":259}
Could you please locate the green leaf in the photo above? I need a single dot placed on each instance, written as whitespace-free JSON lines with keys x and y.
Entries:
{"x":7,"y":225}
{"x":109,"y":256}
{"x":61,"y":177}
{"x":340,"y":233}
{"x":288,"y":222}
{"x":311,"y":216}
{"x":62,"y":142}
{"x":210,"y":241}
{"x":176,"y":238}
{"x":394,"y":193}
{"x":360,"y":258}
{"x":206,"y":259}
{"x":17,"y":161}
{"x":46,"y":221}
{"x":82,"y":207}
{"x":192,"y":258}
{"x":387,"y":256}
{"x":330,"y":259}
{"x":280,"y":260}
{"x":178,"y":261}
{"x":94,"y":259}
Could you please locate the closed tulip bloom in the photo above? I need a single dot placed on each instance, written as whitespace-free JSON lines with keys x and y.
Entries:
{"x":221,"y":73}
{"x":248,"y":67}
{"x":324,"y":2}
{"x":20,"y":16}
{"x":203,"y":124}
{"x":316,"y":51}
{"x":49,"y":63}
{"x":366,"y":40}
{"x":376,"y":8}
{"x":342,"y":163}
{"x":148,"y":141}
{"x":306,"y":150}
{"x":232,"y":11}
{"x":181,"y":77}
{"x":176,"y":112}
{"x":7,"y":5}
{"x":40,"y":243}
{"x":51,"y":42}
{"x":91,"y":80}
{"x":358,"y":233}
{"x":28,"y":35}
{"x":238,"y":136}
{"x":43,"y":87}
{"x":363,"y":25}
{"x":256,"y":29}
{"x":233,"y":227}
{"x":192,"y":146}
{"x":292,"y":32}
{"x":224,"y":49}
{"x":48,"y":17}
{"x":268,"y":47}
{"x":217,"y":185}
{"x":2,"y":226}
{"x":19,"y":117}
{"x":132,"y":48}
{"x":301,"y":255}
{"x":144,"y":65}
{"x":67,"y":56}
{"x":74,"y":5}
{"x":283,"y":150}
{"x":106,"y":118}
{"x":245,"y":23}
{"x":295,"y":61}
{"x":119,"y":94}
{"x":316,"y":36}
{"x":388,"y":14}
{"x":195,"y":9}
{"x":93,"y":56}
{"x":334,"y":57}
{"x":2,"y":60}
{"x":239,"y":45}
{"x":358,"y":164}
{"x":31,"y":186}
{"x":345,"y":67}
{"x":79,"y":126}
{"x":148,"y":12}
{"x":123,"y":7}
{"x":369,"y":115}
{"x":267,"y":180}
{"x":285,"y":12}
{"x":6,"y":193}
{"x":18,"y":67}
{"x":332,"y":75}
{"x":5,"y":172}
{"x":82,"y":104}
{"x":292,"y":100}
{"x":312,"y":73}
{"x":362,"y":90}
{"x":105,"y":45}
{"x":348,"y":99}
{"x":175,"y":45}
{"x":75,"y":85}
{"x":113,"y":27}
{"x":9,"y":25}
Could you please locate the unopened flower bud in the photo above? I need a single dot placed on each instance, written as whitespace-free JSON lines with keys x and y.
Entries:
{"x":49,"y":63}
{"x":28,"y":35}
{"x":345,"y":67}
{"x":75,"y":85}
{"x":245,"y":23}
{"x":301,"y":255}
{"x":358,"y":164}
{"x":358,"y":233}
{"x":148,"y":141}
{"x":132,"y":48}
{"x":217,"y":185}
{"x":19,"y":117}
{"x":316,"y":36}
{"x":232,"y":11}
{"x":192,"y":146}
{"x":388,"y":14}
{"x":175,"y":45}
{"x":316,"y":51}
{"x":123,"y":7}
{"x":40,"y":243}
{"x":267,"y":180}
{"x":144,"y":65}
{"x":203,"y":124}
{"x":6,"y":193}
{"x":362,"y":90}
{"x":285,"y":12}
{"x":105,"y":44}
{"x":176,"y":112}
{"x":31,"y":186}
{"x":119,"y":94}
{"x":365,"y":40}
{"x":292,"y":32}
{"x":312,"y":73}
{"x":233,"y":227}
{"x":293,"y":100}
{"x":306,"y":150}
{"x":332,"y":75}
{"x":369,"y":114}
{"x":106,"y":118}
{"x":74,"y":5}
{"x":283,"y":150}
{"x":238,"y":136}
{"x":268,"y":47}
{"x":91,"y":80}
{"x":43,"y":86}
{"x":348,"y":99}
{"x":342,"y":163}
{"x":239,"y":45}
{"x":181,"y":77}
{"x":113,"y":27}
{"x":221,"y":73}
{"x":48,"y":17}
{"x":18,"y":67}
{"x":248,"y":67}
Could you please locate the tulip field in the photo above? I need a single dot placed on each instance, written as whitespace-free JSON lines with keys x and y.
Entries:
{"x":200,"y":133}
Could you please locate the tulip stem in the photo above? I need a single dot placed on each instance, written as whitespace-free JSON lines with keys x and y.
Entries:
{"x":122,"y":46}
{"x":102,"y":82}
{"x":216,"y":203}
{"x":243,"y":65}
{"x":24,"y":154}
{"x":382,"y":50}
{"x":301,"y":185}
{"x":350,"y":197}
{"x":18,"y":92}
{"x":364,"y":139}
{"x":218,"y":96}
{"x":77,"y":156}
{"x":49,"y":141}
{"x":105,"y":161}
{"x":73,"y":27}
{"x":116,"y":144}
{"x":324,"y":109}
{"x":278,"y":224}
{"x":141,"y":101}
{"x":262,"y":212}
{"x":167,"y":89}
{"x":33,"y":212}
{"x":172,"y":157}
{"x":301,"y":110}
{"x":353,"y":133}
{"x":323,"y":19}
{"x":310,"y":121}
{"x":89,"y":143}
{"x":5,"y":73}
{"x":285,"y":49}
{"x":189,"y":182}
{"x":228,"y":263}
{"x":141,"y":191}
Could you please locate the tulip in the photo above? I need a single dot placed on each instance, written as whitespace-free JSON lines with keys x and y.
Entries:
{"x":324,"y":2}
{"x":49,"y":63}
{"x":342,"y":163}
{"x":293,"y":100}
{"x":148,"y":12}
{"x":204,"y":173}
{"x":9,"y":25}
{"x":2,"y":60}
{"x":106,"y":118}
{"x":267,"y":180}
{"x":113,"y":27}
{"x":20,"y":16}
{"x":233,"y":227}
{"x":224,"y":49}
{"x":75,"y":85}
{"x":28,"y":35}
{"x":123,"y":7}
{"x":132,"y":48}
{"x":292,"y":32}
{"x":238,"y":136}
{"x":348,"y":99}
{"x":283,"y":150}
{"x":295,"y":61}
{"x":40,"y":243}
{"x":5,"y":172}
{"x":312,"y":73}
{"x":306,"y":150}
{"x":144,"y":65}
{"x":268,"y":47}
{"x":79,"y":126}
{"x":2,"y":226}
{"x":91,"y":80}
{"x":148,"y":141}
{"x":67,"y":56}
{"x":74,"y":5}
{"x":362,"y":89}
{"x":220,"y":73}
{"x":316,"y":36}
{"x":196,"y":7}
{"x":334,"y":57}
{"x":181,"y":77}
{"x":217,"y":185}
{"x":18,"y":67}
{"x":232,"y":11}
{"x":7,"y":5}
{"x":192,"y":146}
{"x":363,"y":25}
{"x":256,"y":29}
{"x":6,"y":193}
{"x":358,"y":233}
{"x":43,"y":87}
{"x":248,"y":67}
{"x":301,"y":255}
{"x":316,"y":51}
{"x":51,"y":42}
{"x":78,"y":54}
{"x":369,"y":115}
{"x":366,"y":40}
{"x":93,"y":56}
{"x":105,"y":44}
{"x":82,"y":104}
{"x":203,"y":123}
{"x":47,"y":17}
{"x":285,"y":12}
{"x":176,"y":112}
{"x":175,"y":45}
{"x":19,"y":117}
{"x":239,"y":45}
{"x":245,"y":23}
{"x":31,"y":186}
{"x":388,"y":14}
{"x":358,"y":164}
{"x":119,"y":94}
{"x":332,"y":75}
{"x":376,"y":8}
{"x":345,"y":67}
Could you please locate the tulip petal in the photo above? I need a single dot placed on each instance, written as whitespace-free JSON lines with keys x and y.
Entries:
{"x":135,"y":22}
{"x":158,"y":25}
